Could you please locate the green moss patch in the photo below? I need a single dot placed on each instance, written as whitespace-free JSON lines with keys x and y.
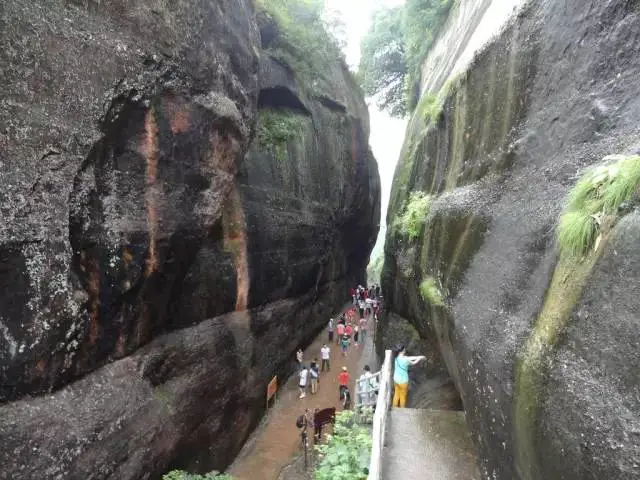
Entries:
{"x":276,"y":128}
{"x":593,"y":203}
{"x":430,"y":291}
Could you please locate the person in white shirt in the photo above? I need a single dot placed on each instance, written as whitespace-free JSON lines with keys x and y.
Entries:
{"x":367,"y":387}
{"x":304,"y":374}
{"x":325,"y":355}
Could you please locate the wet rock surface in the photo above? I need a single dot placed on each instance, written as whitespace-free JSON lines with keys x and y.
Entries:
{"x":154,"y":276}
{"x":550,"y":96}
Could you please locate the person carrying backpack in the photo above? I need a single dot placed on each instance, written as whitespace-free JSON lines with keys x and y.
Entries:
{"x":344,"y":344}
{"x":340,"y":332}
{"x":330,"y":330}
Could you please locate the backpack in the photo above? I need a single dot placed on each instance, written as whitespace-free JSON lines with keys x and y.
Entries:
{"x":300,"y":421}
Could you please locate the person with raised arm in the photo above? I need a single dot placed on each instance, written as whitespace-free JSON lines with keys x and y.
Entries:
{"x":401,"y":374}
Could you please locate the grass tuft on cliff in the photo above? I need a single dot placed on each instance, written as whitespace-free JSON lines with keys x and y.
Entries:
{"x":414,"y":214}
{"x":430,"y":292}
{"x":276,"y":127}
{"x":593,"y":203}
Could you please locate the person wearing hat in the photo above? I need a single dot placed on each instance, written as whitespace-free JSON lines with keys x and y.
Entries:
{"x":401,"y":375}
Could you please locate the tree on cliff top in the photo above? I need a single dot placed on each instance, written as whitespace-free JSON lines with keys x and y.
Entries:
{"x":308,"y":37}
{"x":394,"y":50}
{"x":383,"y":66}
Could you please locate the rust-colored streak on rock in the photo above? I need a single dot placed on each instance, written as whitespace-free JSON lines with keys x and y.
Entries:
{"x":40,"y":366}
{"x":235,"y":242}
{"x":127,"y":256}
{"x":121,"y":344}
{"x":177,"y":111}
{"x":151,"y":155}
{"x":222,"y":153}
{"x":94,"y":300}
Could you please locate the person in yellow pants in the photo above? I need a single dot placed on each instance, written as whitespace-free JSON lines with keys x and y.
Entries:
{"x":401,"y":375}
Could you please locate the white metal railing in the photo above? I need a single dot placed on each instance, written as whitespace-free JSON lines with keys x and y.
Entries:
{"x":380,"y":418}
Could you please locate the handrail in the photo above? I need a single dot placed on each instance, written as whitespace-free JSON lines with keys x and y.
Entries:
{"x":380,"y":418}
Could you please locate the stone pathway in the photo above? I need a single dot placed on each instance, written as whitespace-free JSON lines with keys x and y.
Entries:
{"x":276,"y":442}
{"x":428,"y":445}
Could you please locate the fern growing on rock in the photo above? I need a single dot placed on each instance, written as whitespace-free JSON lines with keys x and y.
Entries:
{"x":430,"y":292}
{"x":414,"y":214}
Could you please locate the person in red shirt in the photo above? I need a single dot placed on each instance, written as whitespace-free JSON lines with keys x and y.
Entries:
{"x":343,"y":380}
{"x":349,"y":330}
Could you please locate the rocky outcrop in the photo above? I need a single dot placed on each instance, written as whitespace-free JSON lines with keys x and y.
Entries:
{"x":540,"y":344}
{"x":154,"y":275}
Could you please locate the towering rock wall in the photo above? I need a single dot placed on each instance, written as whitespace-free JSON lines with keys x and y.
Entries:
{"x":542,"y":345}
{"x":154,"y":275}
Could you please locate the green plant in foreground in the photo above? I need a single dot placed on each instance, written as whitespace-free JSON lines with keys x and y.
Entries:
{"x":430,"y":292}
{"x":347,"y":453}
{"x":593,"y":203}
{"x":414,"y":214}
{"x":182,"y":475}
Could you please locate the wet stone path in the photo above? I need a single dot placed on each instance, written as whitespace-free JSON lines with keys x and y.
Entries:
{"x":276,"y":442}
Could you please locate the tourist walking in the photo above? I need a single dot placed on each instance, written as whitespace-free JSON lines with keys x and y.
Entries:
{"x":340,"y":332}
{"x":299,"y":357}
{"x":304,"y":375}
{"x":314,"y":372}
{"x":356,"y":331}
{"x":363,"y":330}
{"x":401,"y":375}
{"x":344,"y":344}
{"x":367,"y":387}
{"x":343,"y":382}
{"x":330,"y":330}
{"x":325,"y":355}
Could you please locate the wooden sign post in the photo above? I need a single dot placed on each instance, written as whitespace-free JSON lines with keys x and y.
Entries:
{"x":272,"y":388}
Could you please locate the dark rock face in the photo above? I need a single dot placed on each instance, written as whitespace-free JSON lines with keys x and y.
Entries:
{"x":550,"y":96}
{"x":153,"y":278}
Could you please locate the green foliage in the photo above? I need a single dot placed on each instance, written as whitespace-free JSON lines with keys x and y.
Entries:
{"x":374,"y":269}
{"x":182,"y":475}
{"x":430,"y":292}
{"x":593,"y":203}
{"x":430,"y":107}
{"x":347,"y":453}
{"x":394,"y":50}
{"x":423,"y":20}
{"x":414,"y":214}
{"x":382,"y":68}
{"x":276,"y":127}
{"x":306,"y":38}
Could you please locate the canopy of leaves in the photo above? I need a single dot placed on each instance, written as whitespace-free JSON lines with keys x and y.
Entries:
{"x":383,"y":67}
{"x":347,"y":453}
{"x":394,"y":50}
{"x":374,"y":269}
{"x":306,"y":39}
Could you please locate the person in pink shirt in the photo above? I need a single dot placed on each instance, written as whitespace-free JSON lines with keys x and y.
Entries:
{"x":363,"y":330}
{"x":340,"y":332}
{"x":349,"y":331}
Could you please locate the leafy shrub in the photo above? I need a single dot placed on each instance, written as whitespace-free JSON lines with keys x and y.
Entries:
{"x":593,"y":203}
{"x":182,"y":475}
{"x":306,"y":40}
{"x":276,"y":127}
{"x":415,"y":212}
{"x":430,"y":292}
{"x":347,"y":453}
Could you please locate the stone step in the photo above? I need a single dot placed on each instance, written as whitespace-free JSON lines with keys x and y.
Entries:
{"x":424,"y":444}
